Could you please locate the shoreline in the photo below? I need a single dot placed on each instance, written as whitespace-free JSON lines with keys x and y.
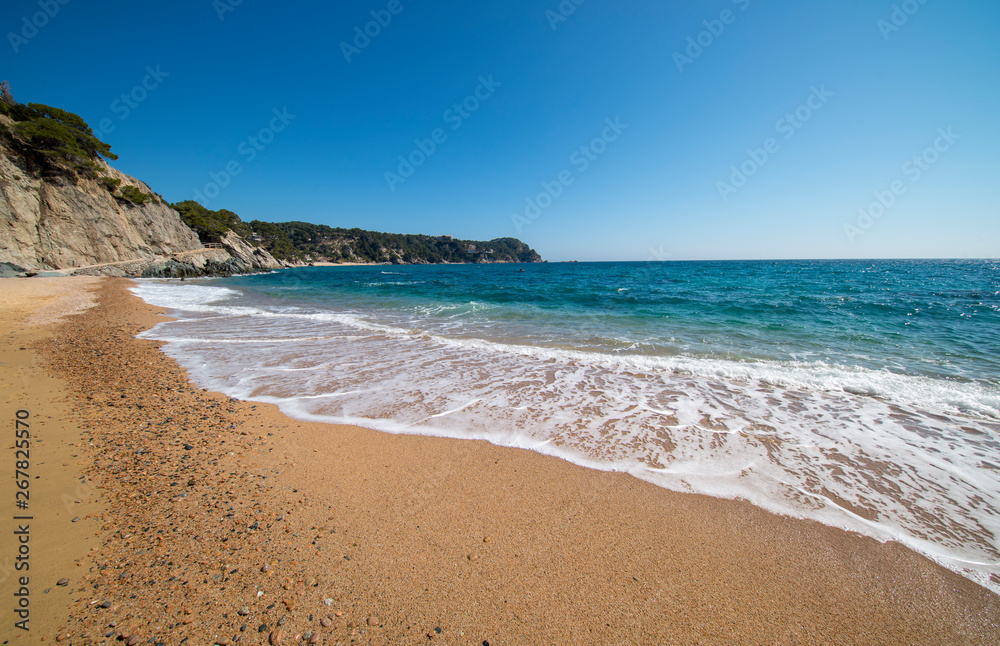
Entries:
{"x":409,"y":534}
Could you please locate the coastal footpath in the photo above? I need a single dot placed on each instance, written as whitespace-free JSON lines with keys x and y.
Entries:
{"x":164,"y":513}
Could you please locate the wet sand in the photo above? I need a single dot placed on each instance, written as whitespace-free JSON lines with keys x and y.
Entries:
{"x":217,"y":521}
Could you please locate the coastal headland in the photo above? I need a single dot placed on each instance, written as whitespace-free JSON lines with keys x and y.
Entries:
{"x":164,"y":513}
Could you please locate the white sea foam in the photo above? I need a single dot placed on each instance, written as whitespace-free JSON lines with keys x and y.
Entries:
{"x":893,"y":456}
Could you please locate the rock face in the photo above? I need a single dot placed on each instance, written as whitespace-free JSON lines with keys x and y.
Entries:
{"x":59,"y":223}
{"x":243,"y":253}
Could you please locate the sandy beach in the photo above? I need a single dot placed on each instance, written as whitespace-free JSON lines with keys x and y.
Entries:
{"x":164,"y":513}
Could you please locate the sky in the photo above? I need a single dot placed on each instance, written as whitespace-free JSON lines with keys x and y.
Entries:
{"x":590,"y":129}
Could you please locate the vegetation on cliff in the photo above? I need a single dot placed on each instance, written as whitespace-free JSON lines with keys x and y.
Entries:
{"x":55,"y":140}
{"x":356,"y":245}
{"x":211,"y":226}
{"x":304,"y":242}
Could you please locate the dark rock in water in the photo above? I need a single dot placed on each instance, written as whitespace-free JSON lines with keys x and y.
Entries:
{"x":171,"y":269}
{"x":228,"y":267}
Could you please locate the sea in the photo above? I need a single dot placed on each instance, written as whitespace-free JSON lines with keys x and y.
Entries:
{"x":861,"y":394}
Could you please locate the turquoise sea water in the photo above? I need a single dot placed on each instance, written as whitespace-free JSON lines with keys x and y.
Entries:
{"x":864,"y":394}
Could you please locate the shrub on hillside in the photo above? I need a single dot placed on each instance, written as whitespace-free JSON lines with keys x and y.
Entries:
{"x":134,"y":195}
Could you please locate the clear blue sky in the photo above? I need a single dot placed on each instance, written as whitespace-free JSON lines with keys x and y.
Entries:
{"x":879,"y":92}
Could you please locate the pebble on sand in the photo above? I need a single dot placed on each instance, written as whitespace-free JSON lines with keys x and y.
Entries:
{"x":62,"y":582}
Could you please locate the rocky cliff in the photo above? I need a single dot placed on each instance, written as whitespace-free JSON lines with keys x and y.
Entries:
{"x":70,"y":222}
